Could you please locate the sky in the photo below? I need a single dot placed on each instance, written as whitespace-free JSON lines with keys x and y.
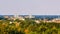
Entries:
{"x":26,"y":7}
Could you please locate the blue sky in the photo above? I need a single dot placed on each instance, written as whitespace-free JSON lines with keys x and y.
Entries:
{"x":26,"y":7}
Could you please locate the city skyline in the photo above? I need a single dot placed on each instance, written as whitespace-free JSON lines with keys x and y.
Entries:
{"x":26,"y":7}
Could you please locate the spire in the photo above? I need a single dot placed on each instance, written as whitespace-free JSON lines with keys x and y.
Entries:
{"x":16,"y":14}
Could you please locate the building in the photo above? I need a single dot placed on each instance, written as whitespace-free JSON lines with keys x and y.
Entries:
{"x":57,"y":20}
{"x":29,"y":16}
{"x":6,"y":16}
{"x":37,"y":21}
{"x":21,"y":18}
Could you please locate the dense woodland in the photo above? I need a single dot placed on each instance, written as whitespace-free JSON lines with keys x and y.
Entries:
{"x":28,"y":26}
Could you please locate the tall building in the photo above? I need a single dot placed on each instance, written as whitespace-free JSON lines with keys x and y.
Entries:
{"x":16,"y":15}
{"x":30,"y":16}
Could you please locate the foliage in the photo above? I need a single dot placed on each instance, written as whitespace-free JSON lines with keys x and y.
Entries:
{"x":28,"y":27}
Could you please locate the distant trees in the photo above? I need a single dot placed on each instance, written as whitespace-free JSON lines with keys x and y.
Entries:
{"x":28,"y":27}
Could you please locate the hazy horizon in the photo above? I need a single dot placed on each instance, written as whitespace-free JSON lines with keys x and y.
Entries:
{"x":26,"y":7}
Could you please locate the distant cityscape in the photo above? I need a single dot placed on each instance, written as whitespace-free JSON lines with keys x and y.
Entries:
{"x":36,"y":18}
